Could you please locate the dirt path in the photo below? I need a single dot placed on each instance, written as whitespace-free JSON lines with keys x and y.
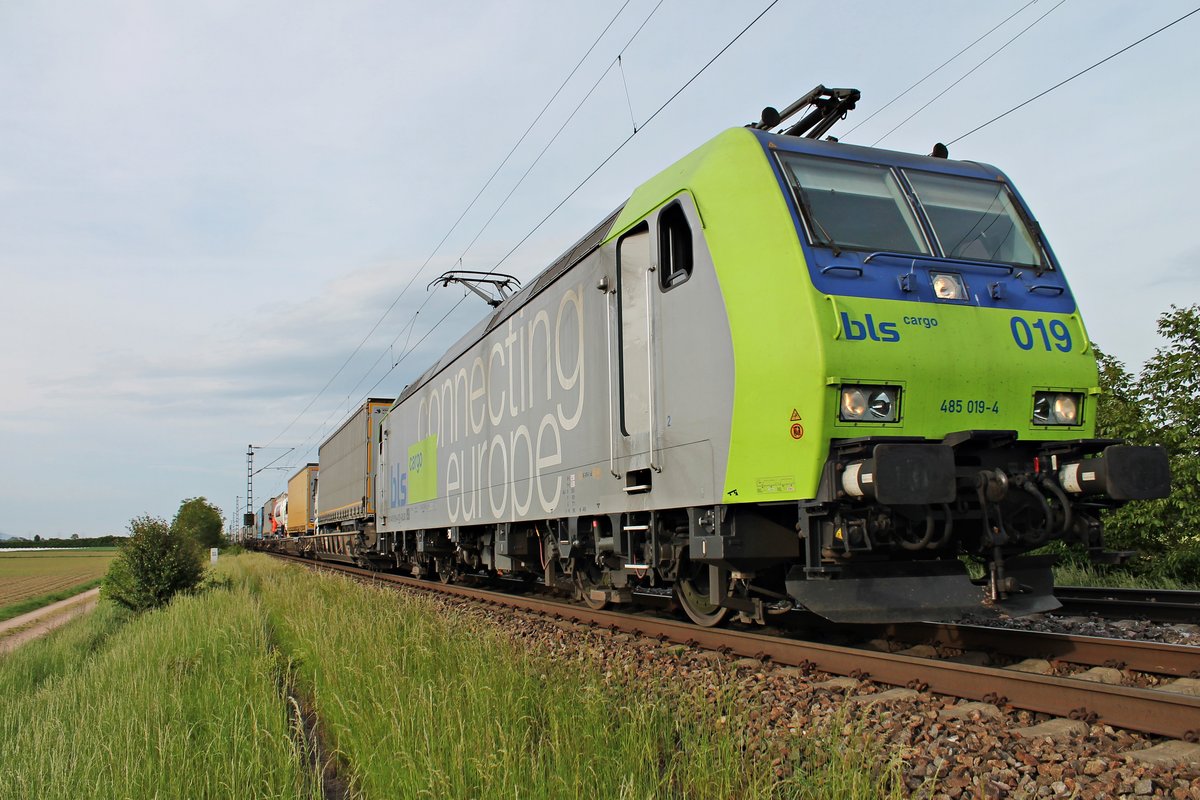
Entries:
{"x":18,"y":630}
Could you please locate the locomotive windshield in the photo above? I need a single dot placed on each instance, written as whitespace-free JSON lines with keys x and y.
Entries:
{"x":855,"y":206}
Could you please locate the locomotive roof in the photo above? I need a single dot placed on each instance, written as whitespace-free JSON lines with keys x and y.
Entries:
{"x":573,"y":255}
{"x":876,"y":155}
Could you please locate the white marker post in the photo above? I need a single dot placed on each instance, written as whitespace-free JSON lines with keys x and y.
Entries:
{"x":212,"y":555}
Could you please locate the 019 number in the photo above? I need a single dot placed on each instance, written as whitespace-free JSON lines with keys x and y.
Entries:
{"x":1055,"y":334}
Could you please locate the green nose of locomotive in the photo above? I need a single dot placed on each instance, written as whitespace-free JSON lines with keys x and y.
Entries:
{"x":941,"y":382}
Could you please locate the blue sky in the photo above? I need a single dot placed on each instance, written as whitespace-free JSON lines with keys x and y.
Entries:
{"x":205,"y":207}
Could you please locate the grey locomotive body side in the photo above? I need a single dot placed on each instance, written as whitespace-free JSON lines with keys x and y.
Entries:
{"x":552,"y":412}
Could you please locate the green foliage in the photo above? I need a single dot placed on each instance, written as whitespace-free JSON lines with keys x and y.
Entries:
{"x":201,"y":521}
{"x":155,"y":564}
{"x":74,"y":541}
{"x":1160,"y":406}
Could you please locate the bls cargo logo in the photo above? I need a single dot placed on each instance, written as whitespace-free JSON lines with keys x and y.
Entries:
{"x":869,"y":328}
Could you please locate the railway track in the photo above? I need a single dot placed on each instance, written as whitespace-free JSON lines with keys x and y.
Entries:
{"x":1164,"y":713}
{"x":1156,"y":658}
{"x":1156,"y":605}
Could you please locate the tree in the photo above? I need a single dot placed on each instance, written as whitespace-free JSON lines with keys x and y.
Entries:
{"x":153,"y":566}
{"x":1161,"y":406}
{"x":199,"y":520}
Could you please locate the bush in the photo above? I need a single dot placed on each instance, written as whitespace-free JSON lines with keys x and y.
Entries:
{"x":153,"y":566}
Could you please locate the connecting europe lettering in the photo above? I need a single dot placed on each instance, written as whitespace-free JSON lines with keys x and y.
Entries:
{"x":490,"y":432}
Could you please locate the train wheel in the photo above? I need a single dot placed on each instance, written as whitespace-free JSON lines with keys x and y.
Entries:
{"x":585,"y":584}
{"x":692,"y":593}
{"x":445,"y":571}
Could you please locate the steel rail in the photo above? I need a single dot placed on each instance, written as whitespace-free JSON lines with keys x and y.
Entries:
{"x":1141,"y":656}
{"x":1157,"y":712}
{"x":1158,"y":605}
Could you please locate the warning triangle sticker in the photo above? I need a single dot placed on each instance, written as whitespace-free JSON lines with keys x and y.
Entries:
{"x":795,"y":415}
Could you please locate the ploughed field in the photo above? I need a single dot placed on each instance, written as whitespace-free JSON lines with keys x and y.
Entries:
{"x":26,"y":575}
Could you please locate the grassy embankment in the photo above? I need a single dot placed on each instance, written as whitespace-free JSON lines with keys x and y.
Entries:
{"x":30,"y":580}
{"x":197,"y":700}
{"x":185,"y":702}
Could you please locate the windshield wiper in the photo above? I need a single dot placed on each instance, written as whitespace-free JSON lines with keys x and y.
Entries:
{"x":806,"y":207}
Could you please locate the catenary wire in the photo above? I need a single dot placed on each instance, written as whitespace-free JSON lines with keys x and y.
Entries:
{"x":453,"y":227}
{"x":581,"y":184}
{"x":610,"y":156}
{"x":615,"y":62}
{"x":938,"y":69}
{"x":1076,"y":75}
{"x":484,"y":227}
{"x":993,"y":54}
{"x":629,"y":138}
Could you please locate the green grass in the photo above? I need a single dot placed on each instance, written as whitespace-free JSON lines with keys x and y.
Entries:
{"x":34,"y":603}
{"x":184,"y":702}
{"x":65,"y":650}
{"x":200,"y":700}
{"x":1109,"y":578}
{"x":422,"y":703}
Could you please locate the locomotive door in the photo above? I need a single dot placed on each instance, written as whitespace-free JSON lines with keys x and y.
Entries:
{"x":634,"y":434}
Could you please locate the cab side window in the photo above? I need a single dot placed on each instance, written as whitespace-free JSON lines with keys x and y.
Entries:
{"x":674,"y":247}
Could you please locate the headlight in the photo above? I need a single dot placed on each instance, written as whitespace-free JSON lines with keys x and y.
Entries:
{"x":854,"y":403}
{"x":1056,"y":408}
{"x":948,"y":286}
{"x":870,"y":403}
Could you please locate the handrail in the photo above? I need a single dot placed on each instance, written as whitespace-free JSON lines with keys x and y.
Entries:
{"x":608,"y":340}
{"x":958,"y":262}
{"x":837,"y":317}
{"x":1087,"y":344}
{"x":858,"y":271}
{"x":650,"y":365}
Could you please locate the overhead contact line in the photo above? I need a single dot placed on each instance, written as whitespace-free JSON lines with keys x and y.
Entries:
{"x":453,"y":227}
{"x":1045,"y":92}
{"x":967,"y":74}
{"x":591,"y":174}
{"x":937,"y":69}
